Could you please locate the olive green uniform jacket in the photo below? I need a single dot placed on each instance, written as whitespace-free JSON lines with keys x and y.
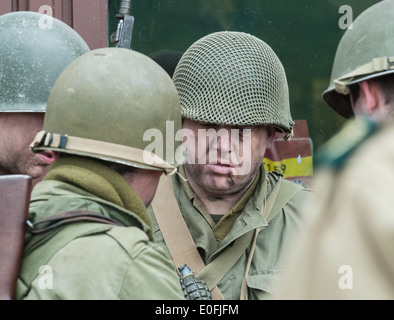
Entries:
{"x":272,"y":242}
{"x":347,"y":250}
{"x":102,"y":261}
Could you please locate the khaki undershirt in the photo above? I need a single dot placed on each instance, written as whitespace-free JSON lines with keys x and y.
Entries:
{"x":224,"y":225}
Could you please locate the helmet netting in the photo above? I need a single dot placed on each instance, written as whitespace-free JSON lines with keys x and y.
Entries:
{"x":233,"y":78}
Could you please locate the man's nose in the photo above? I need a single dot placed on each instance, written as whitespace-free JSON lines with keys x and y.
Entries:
{"x":222,"y":142}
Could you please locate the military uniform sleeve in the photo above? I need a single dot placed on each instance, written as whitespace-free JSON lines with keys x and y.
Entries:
{"x":150,"y":272}
{"x":152,"y":275}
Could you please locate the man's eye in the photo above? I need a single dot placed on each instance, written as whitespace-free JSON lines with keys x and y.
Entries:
{"x":208,"y":125}
{"x":244,"y":133}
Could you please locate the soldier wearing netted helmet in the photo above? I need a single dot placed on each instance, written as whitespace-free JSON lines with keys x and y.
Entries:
{"x":240,"y":218}
{"x":88,"y":224}
{"x":35,"y":49}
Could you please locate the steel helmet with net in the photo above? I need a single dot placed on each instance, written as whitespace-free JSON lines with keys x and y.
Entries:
{"x":233,"y":78}
{"x":105,"y":102}
{"x":364,"y":52}
{"x":33,"y":54}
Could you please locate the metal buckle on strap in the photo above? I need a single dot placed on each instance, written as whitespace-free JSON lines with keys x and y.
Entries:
{"x":48,"y":138}
{"x":341,"y":87}
{"x":63,"y":141}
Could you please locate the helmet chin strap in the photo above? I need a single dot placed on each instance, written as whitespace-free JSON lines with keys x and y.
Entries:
{"x":376,"y":65}
{"x":63,"y":143}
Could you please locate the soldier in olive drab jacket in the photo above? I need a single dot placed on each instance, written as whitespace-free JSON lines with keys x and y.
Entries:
{"x":234,"y":97}
{"x":90,"y":235}
{"x":346,"y":252}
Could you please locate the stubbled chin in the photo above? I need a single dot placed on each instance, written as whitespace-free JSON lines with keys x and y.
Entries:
{"x":218,"y":183}
{"x":37,"y":172}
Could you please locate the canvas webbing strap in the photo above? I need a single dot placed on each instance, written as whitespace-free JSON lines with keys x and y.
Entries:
{"x":173,"y":227}
{"x":101,"y":148}
{"x":376,"y":65}
{"x":170,"y":219}
{"x":275,"y":202}
{"x":216,"y":270}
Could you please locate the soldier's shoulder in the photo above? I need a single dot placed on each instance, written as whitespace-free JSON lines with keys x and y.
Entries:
{"x":274,"y":176}
{"x":293,"y":191}
{"x":336,"y":151}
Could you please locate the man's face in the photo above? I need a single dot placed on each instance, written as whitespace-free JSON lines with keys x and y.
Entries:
{"x":144,"y":183}
{"x":224,"y":159}
{"x":17,"y":131}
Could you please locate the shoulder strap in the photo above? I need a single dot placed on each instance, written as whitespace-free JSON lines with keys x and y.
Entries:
{"x":169,"y":218}
{"x":274,"y":204}
{"x":287,"y":190}
{"x":217,"y":269}
{"x":276,"y":200}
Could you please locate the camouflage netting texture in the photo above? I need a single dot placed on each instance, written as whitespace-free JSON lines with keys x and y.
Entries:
{"x":233,"y":78}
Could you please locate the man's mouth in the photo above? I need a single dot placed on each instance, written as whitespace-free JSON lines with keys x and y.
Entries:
{"x":221,"y":168}
{"x":46,"y":157}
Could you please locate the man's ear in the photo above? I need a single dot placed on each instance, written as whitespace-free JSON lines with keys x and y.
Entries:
{"x":373,"y":99}
{"x":271,"y":131}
